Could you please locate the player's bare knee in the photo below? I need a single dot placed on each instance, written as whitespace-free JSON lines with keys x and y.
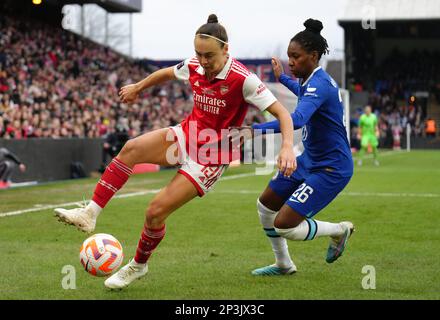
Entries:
{"x":282,"y":223}
{"x":262,"y":209}
{"x":155,"y":213}
{"x":128,"y":151}
{"x":271,"y":200}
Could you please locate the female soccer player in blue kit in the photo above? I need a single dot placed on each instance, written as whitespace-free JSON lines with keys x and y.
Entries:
{"x":287,"y":206}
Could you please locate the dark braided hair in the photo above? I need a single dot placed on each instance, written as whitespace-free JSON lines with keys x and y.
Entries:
{"x":310,"y":39}
{"x":213,"y":28}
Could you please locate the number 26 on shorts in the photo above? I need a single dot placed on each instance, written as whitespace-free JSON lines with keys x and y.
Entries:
{"x":302,"y":193}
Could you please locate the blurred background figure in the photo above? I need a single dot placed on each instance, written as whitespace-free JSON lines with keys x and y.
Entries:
{"x":368,"y":134}
{"x":114,"y":142}
{"x":8,"y":162}
{"x":430,"y":128}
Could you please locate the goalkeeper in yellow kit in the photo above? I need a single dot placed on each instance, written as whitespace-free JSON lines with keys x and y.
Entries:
{"x":368,"y":134}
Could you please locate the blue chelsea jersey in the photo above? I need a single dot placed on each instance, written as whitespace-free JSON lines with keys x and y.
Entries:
{"x":320,"y":115}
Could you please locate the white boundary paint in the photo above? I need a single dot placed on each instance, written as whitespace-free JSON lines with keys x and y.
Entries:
{"x":231,"y":177}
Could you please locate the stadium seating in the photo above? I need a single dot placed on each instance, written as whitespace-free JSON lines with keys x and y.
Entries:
{"x":56,"y":84}
{"x":393,"y":93}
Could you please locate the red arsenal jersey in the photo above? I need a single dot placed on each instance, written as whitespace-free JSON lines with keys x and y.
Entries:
{"x":218,"y":104}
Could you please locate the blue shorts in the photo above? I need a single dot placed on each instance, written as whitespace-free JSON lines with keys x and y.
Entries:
{"x":308,"y":192}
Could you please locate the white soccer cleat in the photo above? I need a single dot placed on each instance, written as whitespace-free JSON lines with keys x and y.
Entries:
{"x":126,"y":275}
{"x":274,"y":270}
{"x":82,"y":218}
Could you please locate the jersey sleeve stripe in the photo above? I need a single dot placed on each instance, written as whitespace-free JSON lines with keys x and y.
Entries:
{"x":240,"y":67}
{"x":240,"y":72}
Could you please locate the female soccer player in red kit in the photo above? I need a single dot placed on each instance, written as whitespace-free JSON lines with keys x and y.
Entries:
{"x":222,"y":89}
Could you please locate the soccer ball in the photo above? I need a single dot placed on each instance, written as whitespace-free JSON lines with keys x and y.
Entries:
{"x":101,"y":254}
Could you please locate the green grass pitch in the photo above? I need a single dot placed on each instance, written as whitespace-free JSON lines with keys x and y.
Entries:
{"x":214,"y":242}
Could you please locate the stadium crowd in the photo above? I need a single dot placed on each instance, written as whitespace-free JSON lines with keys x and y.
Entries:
{"x":421,"y":73}
{"x":56,"y":84}
{"x":394,"y":84}
{"x":395,"y":115}
{"x":391,"y":95}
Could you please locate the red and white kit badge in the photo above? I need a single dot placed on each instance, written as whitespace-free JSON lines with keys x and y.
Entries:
{"x":224,"y":89}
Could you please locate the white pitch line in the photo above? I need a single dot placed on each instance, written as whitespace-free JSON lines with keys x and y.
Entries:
{"x":379,"y":154}
{"x":69,"y":204}
{"x":232,"y":177}
{"x":391,"y":194}
{"x":352,"y":194}
{"x":237,"y":176}
{"x":119,"y":196}
{"x":239,"y":191}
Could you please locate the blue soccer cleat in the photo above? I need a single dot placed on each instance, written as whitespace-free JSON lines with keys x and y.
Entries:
{"x":338,"y":244}
{"x":274,"y":270}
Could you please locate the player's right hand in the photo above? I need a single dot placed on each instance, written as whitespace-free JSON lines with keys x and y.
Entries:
{"x":287,"y":161}
{"x":129,"y":94}
{"x":277,"y":67}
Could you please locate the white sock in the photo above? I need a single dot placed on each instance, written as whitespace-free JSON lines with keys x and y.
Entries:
{"x":309,"y":229}
{"x":137,"y":264}
{"x":94,"y":208}
{"x":328,"y":229}
{"x":279,"y":244}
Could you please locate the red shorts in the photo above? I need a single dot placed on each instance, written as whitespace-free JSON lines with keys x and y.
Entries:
{"x":202,"y":177}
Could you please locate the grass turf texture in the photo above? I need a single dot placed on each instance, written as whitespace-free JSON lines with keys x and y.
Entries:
{"x":213,"y":243}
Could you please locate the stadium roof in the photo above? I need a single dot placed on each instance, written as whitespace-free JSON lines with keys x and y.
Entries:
{"x":357,"y":10}
{"x":109,"y":5}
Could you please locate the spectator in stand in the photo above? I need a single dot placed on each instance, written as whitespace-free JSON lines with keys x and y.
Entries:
{"x":56,"y":84}
{"x":113,"y":144}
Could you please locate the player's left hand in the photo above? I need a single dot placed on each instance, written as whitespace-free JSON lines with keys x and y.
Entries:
{"x":129,"y":94}
{"x":287,"y":161}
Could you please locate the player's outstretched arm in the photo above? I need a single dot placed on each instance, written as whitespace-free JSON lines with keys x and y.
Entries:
{"x":376,"y":129}
{"x":129,"y":93}
{"x":359,"y":135}
{"x":300,"y":117}
{"x":274,"y":126}
{"x":286,"y":157}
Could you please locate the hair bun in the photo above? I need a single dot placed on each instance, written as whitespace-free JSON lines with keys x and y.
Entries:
{"x":314,"y":26}
{"x":212,"y":18}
